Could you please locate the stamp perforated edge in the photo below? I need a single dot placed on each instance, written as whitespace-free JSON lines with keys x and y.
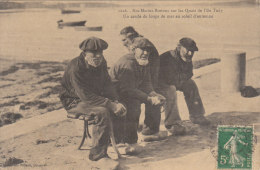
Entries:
{"x":253,"y":141}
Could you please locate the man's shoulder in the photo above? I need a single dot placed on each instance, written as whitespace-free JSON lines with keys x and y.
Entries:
{"x":74,"y":60}
{"x":74,"y":64}
{"x":166,"y":55}
{"x":169,"y":54}
{"x":126,"y":60}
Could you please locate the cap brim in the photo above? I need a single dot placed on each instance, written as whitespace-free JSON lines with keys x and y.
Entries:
{"x":193,"y":49}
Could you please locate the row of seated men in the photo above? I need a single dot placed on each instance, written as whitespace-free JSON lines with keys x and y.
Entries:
{"x":141,"y":76}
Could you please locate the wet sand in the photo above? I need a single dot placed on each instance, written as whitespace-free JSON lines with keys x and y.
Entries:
{"x":28,"y":88}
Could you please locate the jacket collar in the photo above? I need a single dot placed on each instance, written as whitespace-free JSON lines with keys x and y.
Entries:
{"x":81,"y":62}
{"x":175,"y":54}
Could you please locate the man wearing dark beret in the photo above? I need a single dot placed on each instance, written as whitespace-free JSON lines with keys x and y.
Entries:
{"x":176,"y":71}
{"x":152,"y":113}
{"x":131,"y":75}
{"x":88,"y":90}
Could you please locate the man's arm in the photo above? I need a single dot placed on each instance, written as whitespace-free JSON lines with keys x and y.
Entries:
{"x":154,"y":62}
{"x":83,"y":91}
{"x":168,"y":71}
{"x":187,"y":72}
{"x":109,"y":88}
{"x":146,"y":85}
{"x":126,"y":82}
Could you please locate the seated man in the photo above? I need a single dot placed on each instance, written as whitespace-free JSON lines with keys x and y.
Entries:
{"x":176,"y":71}
{"x":152,"y":113}
{"x":131,"y":75}
{"x":87,"y":89}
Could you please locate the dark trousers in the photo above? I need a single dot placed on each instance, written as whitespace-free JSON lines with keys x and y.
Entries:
{"x":125,"y":129}
{"x":171,"y":108}
{"x":192,"y":98}
{"x":152,"y":117}
{"x":153,"y":113}
{"x":100,"y":130}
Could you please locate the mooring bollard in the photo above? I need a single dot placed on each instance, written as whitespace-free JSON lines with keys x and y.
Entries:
{"x":233,"y":68}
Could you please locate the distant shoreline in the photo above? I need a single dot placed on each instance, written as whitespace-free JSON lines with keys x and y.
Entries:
{"x":50,"y":4}
{"x":94,"y":4}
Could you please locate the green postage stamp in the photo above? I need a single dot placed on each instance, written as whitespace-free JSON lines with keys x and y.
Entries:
{"x":235,"y":147}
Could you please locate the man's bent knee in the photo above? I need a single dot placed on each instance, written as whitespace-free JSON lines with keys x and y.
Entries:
{"x":190,"y":84}
{"x":171,"y":93}
{"x":172,"y":89}
{"x":101,"y":114}
{"x":102,"y":111}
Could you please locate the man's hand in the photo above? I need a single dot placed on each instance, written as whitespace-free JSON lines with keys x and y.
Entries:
{"x":156,"y":99}
{"x":152,"y":93}
{"x":117,"y":108}
{"x":161,"y":98}
{"x":121,"y":110}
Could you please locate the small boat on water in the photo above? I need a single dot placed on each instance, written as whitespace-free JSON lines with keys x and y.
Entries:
{"x":69,"y":11}
{"x":99,"y":28}
{"x":61,"y":23}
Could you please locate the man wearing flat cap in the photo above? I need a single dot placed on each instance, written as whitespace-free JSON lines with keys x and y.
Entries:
{"x":176,"y":71}
{"x":88,"y":90}
{"x":131,"y":75}
{"x":152,"y":114}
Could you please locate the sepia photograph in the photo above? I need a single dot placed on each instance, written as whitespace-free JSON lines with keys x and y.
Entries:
{"x":129,"y":85}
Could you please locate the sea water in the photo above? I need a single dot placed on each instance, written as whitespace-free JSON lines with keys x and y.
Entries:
{"x":32,"y":34}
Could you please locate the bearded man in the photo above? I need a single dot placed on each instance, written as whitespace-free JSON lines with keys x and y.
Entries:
{"x":176,"y":71}
{"x":152,"y":113}
{"x":88,"y":90}
{"x":131,"y":76}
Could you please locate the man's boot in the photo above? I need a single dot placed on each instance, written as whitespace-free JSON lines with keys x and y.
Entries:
{"x":148,"y":131}
{"x":129,"y":149}
{"x":97,"y":153}
{"x":133,"y":149}
{"x":177,"y":129}
{"x":201,"y":120}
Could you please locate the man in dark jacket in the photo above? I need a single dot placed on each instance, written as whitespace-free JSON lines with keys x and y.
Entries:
{"x":87,"y":89}
{"x":152,"y":113}
{"x":131,"y":75}
{"x":176,"y":71}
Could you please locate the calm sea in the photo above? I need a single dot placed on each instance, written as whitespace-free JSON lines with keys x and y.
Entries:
{"x":33,"y":33}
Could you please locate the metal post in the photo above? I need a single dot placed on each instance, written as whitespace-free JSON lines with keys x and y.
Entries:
{"x":233,"y":68}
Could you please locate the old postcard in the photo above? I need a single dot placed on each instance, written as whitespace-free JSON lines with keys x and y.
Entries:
{"x":204,"y":80}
